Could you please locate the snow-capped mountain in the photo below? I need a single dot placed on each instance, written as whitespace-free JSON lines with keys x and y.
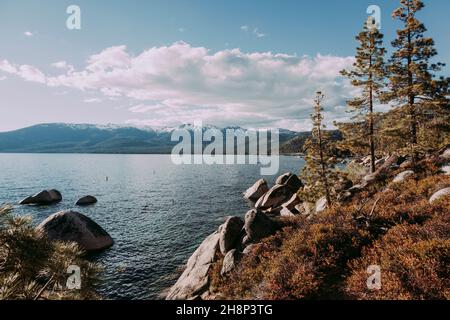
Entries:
{"x":110,"y":138}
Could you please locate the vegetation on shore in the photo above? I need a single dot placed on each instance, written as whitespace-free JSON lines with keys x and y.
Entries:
{"x":326,"y":257}
{"x":32,"y":267}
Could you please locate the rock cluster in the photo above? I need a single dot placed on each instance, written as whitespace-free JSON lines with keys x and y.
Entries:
{"x":70,"y":226}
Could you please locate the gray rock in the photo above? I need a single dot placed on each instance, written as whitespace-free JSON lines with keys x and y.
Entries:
{"x":445,"y":169}
{"x":275,"y":197}
{"x":285,"y":212}
{"x":248,"y":249}
{"x":194,"y":281}
{"x":321,"y":204}
{"x":292,"y":202}
{"x":229,"y":262}
{"x":44,"y":197}
{"x":230,"y":233}
{"x":402,"y":176}
{"x":439,"y":195}
{"x":294,"y":183}
{"x":283,"y":178}
{"x":87,"y":200}
{"x":73,"y":226}
{"x":257,"y":190}
{"x":446,"y":154}
{"x":258,"y":225}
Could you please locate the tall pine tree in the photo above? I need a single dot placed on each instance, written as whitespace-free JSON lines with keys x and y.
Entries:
{"x":368,"y":74}
{"x":419,"y":97}
{"x":318,"y":173}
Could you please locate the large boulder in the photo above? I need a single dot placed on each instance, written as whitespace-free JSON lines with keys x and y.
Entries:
{"x":230,"y":234}
{"x":258,"y":225}
{"x":275,"y":197}
{"x":75,"y":227}
{"x":283,"y":178}
{"x":86,"y":200}
{"x":402,"y":176}
{"x":257,"y":190}
{"x":292,"y":181}
{"x":194,"y":281}
{"x":44,"y":197}
{"x":440,"y":195}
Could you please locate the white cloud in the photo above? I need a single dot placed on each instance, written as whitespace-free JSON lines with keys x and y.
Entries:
{"x":28,"y":34}
{"x":181,"y":83}
{"x":2,"y":78}
{"x":254,"y":31}
{"x":92,"y":100}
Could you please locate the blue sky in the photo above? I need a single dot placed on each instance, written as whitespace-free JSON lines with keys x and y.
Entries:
{"x":162,"y":63}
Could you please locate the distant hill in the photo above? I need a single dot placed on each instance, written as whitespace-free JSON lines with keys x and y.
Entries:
{"x":87,"y":138}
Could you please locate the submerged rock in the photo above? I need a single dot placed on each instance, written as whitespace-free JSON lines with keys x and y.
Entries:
{"x":230,"y":234}
{"x":44,"y":197}
{"x":439,"y":195}
{"x":75,"y":227}
{"x":194,"y":281}
{"x":257,"y":190}
{"x":87,"y":200}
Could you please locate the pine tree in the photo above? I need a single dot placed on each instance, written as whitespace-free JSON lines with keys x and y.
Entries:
{"x":368,"y":74}
{"x":417,"y":95}
{"x":318,"y":173}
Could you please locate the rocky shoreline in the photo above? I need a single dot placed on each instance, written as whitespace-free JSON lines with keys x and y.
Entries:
{"x":235,"y":238}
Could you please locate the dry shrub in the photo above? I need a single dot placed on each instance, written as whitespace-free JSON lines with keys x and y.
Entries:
{"x":326,"y":257}
{"x":33,"y":267}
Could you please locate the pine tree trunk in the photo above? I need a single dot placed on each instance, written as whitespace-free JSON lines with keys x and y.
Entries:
{"x":371,"y":129}
{"x":322,"y":163}
{"x":411,"y":106}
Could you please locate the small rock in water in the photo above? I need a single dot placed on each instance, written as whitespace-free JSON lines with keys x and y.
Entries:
{"x":87,"y":200}
{"x":44,"y":197}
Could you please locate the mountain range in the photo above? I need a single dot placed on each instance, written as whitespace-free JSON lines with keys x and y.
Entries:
{"x":89,"y":138}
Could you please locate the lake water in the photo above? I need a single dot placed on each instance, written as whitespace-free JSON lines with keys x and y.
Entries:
{"x":157,"y":212}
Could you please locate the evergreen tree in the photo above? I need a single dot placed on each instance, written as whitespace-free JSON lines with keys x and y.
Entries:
{"x":318,"y":173}
{"x":368,"y":74}
{"x":419,"y":97}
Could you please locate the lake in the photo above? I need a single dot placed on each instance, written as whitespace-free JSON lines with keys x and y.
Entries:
{"x":156,"y":212}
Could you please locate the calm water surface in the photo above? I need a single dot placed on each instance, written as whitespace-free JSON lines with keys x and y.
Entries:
{"x":157,"y":212}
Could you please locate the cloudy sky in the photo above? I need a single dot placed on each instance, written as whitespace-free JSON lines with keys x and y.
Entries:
{"x":162,"y":63}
